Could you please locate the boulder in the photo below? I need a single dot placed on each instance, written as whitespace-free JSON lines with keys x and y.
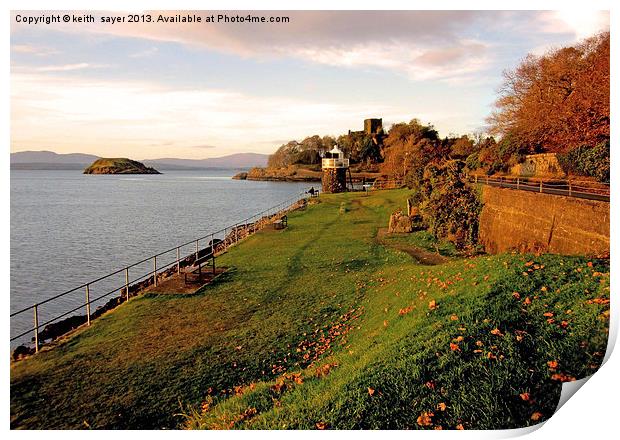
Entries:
{"x":400,"y":223}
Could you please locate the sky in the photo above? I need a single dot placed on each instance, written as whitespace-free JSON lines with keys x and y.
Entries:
{"x":152,"y":90}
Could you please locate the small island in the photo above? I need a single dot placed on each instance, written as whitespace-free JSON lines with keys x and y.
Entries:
{"x":119,"y":166}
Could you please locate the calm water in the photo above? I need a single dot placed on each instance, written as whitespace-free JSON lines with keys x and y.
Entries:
{"x":68,"y":228}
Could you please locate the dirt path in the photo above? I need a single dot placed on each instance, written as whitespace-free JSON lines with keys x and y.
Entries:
{"x":421,"y":256}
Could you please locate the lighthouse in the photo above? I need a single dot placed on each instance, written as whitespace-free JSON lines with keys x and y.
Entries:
{"x":335,"y":167}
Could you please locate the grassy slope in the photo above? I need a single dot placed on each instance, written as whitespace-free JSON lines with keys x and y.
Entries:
{"x":323,"y":289}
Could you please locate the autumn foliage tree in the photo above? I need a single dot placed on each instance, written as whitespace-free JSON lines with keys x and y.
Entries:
{"x":408,"y":148}
{"x":558,"y":101}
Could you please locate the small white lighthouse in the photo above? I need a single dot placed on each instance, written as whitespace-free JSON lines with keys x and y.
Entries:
{"x":335,"y":167}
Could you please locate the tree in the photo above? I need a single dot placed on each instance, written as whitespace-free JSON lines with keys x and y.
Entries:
{"x":558,"y":101}
{"x":408,"y":148}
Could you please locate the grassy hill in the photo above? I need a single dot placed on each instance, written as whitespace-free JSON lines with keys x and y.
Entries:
{"x":321,"y":326}
{"x":119,"y":166}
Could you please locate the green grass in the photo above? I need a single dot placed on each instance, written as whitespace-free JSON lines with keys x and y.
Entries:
{"x":424,"y":240}
{"x":250,"y":351}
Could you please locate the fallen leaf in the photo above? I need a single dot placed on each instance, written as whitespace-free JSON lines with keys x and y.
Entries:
{"x":454,"y":318}
{"x":552,"y":364}
{"x":460,"y":427}
{"x":454,"y":347}
{"x":496,"y":332}
{"x":525,"y":396}
{"x":425,"y":419}
{"x":441,"y":406}
{"x":561,"y":377}
{"x":432,"y":305}
{"x":536,"y":416}
{"x":371,"y":391}
{"x":321,"y":425}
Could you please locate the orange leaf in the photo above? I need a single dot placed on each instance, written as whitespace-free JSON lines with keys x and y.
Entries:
{"x":454,"y":318}
{"x":496,"y":332}
{"x":525,"y":396}
{"x":441,"y":406}
{"x":536,"y":416}
{"x":454,"y":347}
{"x":371,"y":391}
{"x":425,"y":419}
{"x":321,"y":425}
{"x":552,"y":364}
{"x":432,"y":305}
{"x":460,"y":427}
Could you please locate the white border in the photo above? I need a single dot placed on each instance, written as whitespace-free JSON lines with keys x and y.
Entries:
{"x":591,"y":413}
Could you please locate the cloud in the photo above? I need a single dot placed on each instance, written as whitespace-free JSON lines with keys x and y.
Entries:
{"x":582,"y":23}
{"x":116,"y":117}
{"x":417,"y":44}
{"x":33,"y":50}
{"x":145,"y":53}
{"x":70,"y":67}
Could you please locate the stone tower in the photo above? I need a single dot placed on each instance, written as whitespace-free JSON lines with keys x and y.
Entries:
{"x":335,"y":168}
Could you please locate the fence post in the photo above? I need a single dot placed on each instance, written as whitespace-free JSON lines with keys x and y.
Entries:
{"x":155,"y":270}
{"x":212,"y":246}
{"x":541,"y":186}
{"x":36,"y":328}
{"x":127,"y":282}
{"x":178,"y":261}
{"x":487,"y":180}
{"x":570,"y":189}
{"x":88,"y":304}
{"x":517,"y":183}
{"x":196,"y":250}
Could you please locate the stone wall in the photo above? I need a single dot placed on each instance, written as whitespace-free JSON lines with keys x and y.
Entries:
{"x":535,"y":222}
{"x":334,"y":180}
{"x":539,"y":165}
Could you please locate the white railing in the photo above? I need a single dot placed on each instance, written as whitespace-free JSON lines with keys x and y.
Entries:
{"x":335,"y":163}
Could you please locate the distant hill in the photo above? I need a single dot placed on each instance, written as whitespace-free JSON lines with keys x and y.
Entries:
{"x":239,"y":160}
{"x":48,"y":160}
{"x":119,"y":166}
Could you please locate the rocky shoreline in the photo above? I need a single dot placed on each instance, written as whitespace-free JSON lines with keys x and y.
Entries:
{"x":296,"y":174}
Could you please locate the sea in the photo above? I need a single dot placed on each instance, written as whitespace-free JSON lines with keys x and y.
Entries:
{"x":68,"y":229}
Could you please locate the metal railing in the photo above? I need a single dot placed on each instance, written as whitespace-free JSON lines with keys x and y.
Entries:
{"x":570,"y":188}
{"x":170,"y":262}
{"x":387,"y":184}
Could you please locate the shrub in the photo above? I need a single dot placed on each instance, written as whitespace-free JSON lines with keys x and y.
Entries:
{"x":587,"y":161}
{"x":450,"y":206}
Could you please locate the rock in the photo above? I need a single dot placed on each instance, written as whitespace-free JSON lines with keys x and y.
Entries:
{"x":22,"y":351}
{"x":400,"y":223}
{"x":240,"y":176}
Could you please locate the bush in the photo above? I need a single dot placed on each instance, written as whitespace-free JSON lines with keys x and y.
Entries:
{"x":587,"y":161}
{"x":450,"y":207}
